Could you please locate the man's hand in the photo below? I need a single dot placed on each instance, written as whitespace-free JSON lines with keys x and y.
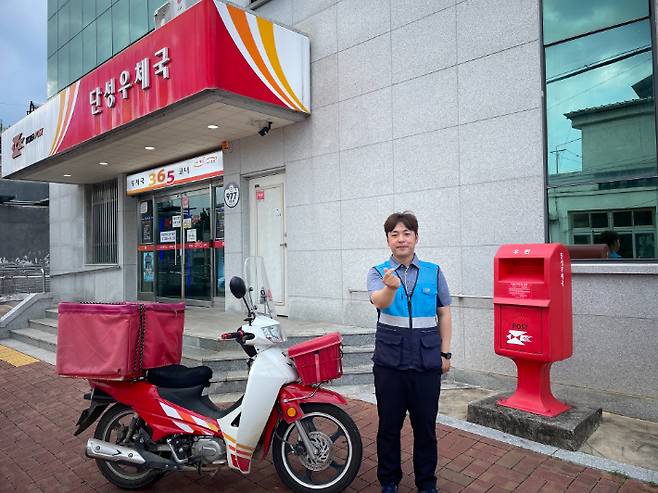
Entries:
{"x":391,"y":280}
{"x":445,"y":365}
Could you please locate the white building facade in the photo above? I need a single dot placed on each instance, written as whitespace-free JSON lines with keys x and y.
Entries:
{"x":454,"y":110}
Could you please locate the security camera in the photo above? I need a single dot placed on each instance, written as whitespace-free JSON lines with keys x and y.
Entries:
{"x":265,"y":130}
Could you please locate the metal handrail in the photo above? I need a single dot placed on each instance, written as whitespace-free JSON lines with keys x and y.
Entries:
{"x":24,"y":278}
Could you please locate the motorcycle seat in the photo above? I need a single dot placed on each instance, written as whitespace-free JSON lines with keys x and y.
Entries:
{"x":179,"y":376}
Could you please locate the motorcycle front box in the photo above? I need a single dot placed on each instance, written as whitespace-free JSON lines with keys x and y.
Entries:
{"x":318,"y":360}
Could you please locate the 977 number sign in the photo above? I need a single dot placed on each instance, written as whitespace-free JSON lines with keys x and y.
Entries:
{"x":231,"y":195}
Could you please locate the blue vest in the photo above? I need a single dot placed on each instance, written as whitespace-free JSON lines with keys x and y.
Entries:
{"x":407,"y":335}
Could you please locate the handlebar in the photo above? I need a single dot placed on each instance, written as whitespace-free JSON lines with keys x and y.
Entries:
{"x":232,"y":335}
{"x":240,"y":335}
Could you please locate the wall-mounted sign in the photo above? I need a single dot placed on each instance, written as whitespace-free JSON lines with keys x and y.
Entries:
{"x":142,"y":78}
{"x":244,"y":55}
{"x":260,"y":194}
{"x":191,"y":235}
{"x":167,"y":236}
{"x":18,"y":142}
{"x":195,"y":169}
{"x":175,"y":221}
{"x":231,"y":195}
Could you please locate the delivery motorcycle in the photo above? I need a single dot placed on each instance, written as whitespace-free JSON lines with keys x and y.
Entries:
{"x":163,"y":422}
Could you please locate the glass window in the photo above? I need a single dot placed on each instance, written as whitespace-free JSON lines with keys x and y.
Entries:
{"x":89,"y":48}
{"x":566,"y":18}
{"x":600,"y":121}
{"x":52,"y":35}
{"x":636,"y":237}
{"x":75,"y":58}
{"x":52,"y":75}
{"x":75,"y":7}
{"x":146,"y":240}
{"x":104,"y":37}
{"x":153,"y":5}
{"x":61,"y":3}
{"x":52,"y":7}
{"x":101,"y":6}
{"x":622,"y":219}
{"x":120,"y":25}
{"x":63,"y":25}
{"x":220,"y":282}
{"x":63,"y":67}
{"x":101,"y":222}
{"x":139,"y":22}
{"x":88,"y":12}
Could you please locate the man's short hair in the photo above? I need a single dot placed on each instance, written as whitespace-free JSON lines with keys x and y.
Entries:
{"x":608,"y":237}
{"x":407,"y":218}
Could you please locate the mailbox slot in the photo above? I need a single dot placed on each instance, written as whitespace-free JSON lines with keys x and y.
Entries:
{"x":528,"y":269}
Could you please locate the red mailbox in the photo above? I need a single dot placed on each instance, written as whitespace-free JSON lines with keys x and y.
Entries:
{"x":533,"y":320}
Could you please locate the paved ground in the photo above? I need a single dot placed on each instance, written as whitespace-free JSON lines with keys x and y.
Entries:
{"x":39,"y":453}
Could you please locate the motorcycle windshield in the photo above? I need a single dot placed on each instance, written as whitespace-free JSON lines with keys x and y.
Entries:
{"x":258,"y":286}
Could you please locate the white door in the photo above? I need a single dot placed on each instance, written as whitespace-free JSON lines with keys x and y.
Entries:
{"x":268,"y":233}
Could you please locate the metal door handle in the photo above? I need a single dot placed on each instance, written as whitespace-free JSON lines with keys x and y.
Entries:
{"x":283,"y":244}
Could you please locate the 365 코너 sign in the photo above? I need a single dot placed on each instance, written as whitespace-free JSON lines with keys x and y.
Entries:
{"x":190,"y":170}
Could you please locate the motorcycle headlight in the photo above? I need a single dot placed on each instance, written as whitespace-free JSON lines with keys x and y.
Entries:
{"x":274,"y":333}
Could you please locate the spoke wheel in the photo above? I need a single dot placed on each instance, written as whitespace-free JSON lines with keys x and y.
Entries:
{"x":113,"y":428}
{"x":337,"y":444}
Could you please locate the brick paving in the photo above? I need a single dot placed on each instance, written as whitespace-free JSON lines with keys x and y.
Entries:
{"x":38,"y":452}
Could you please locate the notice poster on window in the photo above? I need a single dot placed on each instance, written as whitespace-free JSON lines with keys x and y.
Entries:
{"x":167,"y":236}
{"x":191,"y":235}
{"x":175,"y":221}
{"x":147,"y":232}
{"x":147,"y":268}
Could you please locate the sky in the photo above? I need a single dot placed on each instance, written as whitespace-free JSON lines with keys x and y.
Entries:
{"x":23,"y":62}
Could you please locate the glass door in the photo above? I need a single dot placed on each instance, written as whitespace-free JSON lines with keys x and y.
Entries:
{"x":169,"y":265}
{"x":197,"y":265}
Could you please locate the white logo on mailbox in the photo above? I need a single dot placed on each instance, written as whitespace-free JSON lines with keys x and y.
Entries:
{"x":518,"y":337}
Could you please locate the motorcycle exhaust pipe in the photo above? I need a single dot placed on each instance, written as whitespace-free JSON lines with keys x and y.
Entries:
{"x":98,"y":449}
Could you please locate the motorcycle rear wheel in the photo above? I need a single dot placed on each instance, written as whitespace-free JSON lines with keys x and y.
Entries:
{"x":124,"y":476}
{"x":338,"y":441}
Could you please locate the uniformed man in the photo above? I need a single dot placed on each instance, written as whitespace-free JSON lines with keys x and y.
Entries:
{"x":412,"y":349}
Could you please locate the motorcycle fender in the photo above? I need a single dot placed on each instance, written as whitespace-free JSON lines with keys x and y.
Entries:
{"x":99,"y":402}
{"x":294,"y":394}
{"x":268,"y":433}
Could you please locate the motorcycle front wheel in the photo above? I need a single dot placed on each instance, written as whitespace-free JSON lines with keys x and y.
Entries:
{"x":113,"y":428}
{"x":338,"y":451}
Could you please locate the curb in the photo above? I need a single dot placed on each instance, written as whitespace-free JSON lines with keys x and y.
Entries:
{"x":634,"y":472}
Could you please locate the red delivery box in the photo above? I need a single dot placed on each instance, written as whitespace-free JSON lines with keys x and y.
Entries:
{"x":318,"y":360}
{"x":118,"y":341}
{"x":532,"y":302}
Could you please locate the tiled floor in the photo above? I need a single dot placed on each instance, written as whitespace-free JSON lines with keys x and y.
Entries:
{"x":38,"y":451}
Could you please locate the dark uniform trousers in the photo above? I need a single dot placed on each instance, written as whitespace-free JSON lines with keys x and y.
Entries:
{"x":399,"y":391}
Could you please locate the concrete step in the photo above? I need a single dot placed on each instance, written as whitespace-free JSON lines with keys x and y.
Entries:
{"x":225,"y":361}
{"x":352,"y":336}
{"x":44,"y":324}
{"x":236,"y":381}
{"x":36,"y":337}
{"x":29,"y":349}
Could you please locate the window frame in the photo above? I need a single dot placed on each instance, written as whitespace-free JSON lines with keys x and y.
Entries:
{"x":93,"y":251}
{"x":544,"y":123}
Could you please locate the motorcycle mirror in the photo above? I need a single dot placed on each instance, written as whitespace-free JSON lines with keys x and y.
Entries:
{"x":237,"y":287}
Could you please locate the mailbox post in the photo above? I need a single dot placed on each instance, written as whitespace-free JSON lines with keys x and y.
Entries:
{"x":533,"y":320}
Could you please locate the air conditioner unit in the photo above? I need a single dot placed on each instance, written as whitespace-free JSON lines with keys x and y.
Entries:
{"x":170,"y":10}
